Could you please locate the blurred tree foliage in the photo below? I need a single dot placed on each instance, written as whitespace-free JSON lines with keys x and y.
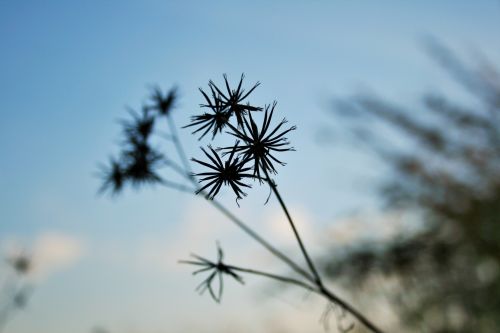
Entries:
{"x":445,"y":169}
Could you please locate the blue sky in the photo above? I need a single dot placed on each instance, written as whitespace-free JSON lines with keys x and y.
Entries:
{"x":68,"y":69}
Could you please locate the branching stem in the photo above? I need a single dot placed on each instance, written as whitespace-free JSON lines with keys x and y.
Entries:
{"x":186,"y":173}
{"x":319,"y":288}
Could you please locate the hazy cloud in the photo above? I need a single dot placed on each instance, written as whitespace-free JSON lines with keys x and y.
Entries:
{"x":50,"y":252}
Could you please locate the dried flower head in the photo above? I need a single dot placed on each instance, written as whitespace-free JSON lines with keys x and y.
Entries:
{"x":231,"y":172}
{"x":113,"y":176}
{"x":163,"y":103}
{"x":140,"y":126}
{"x":21,"y":263}
{"x":215,"y":121}
{"x":140,"y":163}
{"x":217,"y":270}
{"x":233,"y":99}
{"x":259,"y":144}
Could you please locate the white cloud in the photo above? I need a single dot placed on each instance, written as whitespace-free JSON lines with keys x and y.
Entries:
{"x":53,"y":252}
{"x":201,"y":226}
{"x":279,"y":227}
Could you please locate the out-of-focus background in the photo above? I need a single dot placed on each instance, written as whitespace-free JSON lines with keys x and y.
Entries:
{"x":396,"y":164}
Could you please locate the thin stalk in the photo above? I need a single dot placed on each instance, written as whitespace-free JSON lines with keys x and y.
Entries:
{"x":273,"y":276}
{"x":177,"y":168}
{"x":295,"y":232}
{"x":320,"y":289}
{"x":176,"y":186}
{"x":177,"y":143}
{"x":319,"y":283}
{"x":358,"y":315}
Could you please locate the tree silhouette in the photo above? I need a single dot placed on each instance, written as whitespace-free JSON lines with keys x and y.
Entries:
{"x":445,"y":276}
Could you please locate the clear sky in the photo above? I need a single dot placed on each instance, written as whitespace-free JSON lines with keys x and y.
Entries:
{"x":68,"y":69}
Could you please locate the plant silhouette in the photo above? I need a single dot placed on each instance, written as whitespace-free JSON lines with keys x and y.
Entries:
{"x":253,"y":157}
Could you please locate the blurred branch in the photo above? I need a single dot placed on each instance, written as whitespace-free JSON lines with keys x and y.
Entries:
{"x":443,"y":276}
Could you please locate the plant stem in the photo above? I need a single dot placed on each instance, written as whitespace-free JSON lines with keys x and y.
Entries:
{"x":321,"y":289}
{"x":358,"y":315}
{"x":177,"y":143}
{"x":292,"y":225}
{"x":176,"y":186}
{"x":273,"y":276}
